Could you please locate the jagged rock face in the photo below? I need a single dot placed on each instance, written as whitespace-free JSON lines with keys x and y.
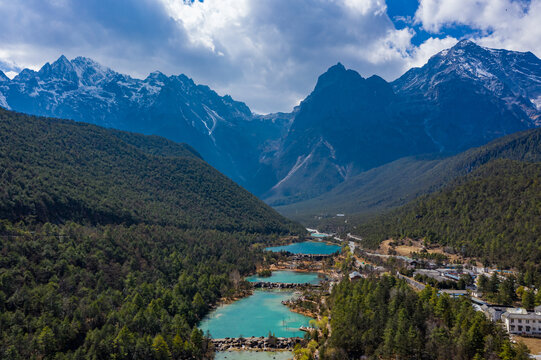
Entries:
{"x":473,"y":94}
{"x":224,"y":131}
{"x":348,"y":124}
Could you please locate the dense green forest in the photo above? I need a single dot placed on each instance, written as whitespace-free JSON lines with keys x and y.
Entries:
{"x":493,"y":214}
{"x":384,"y":319}
{"x":55,"y":170}
{"x":114,"y":245}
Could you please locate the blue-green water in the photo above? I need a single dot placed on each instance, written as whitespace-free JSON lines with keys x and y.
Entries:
{"x":255,"y":315}
{"x":319,"y":235}
{"x":307,"y":247}
{"x":254,"y":355}
{"x":287,"y":277}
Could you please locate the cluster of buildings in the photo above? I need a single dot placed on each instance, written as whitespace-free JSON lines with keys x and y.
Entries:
{"x":517,"y":321}
{"x":443,"y":274}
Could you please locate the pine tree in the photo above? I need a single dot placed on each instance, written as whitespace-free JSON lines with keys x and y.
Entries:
{"x":160,"y":348}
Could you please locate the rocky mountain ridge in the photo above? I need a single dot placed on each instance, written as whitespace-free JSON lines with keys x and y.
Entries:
{"x":463,"y":97}
{"x":220,"y":128}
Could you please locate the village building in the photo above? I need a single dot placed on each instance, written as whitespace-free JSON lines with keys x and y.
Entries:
{"x":454,"y":293}
{"x":494,"y":313}
{"x":523,"y":322}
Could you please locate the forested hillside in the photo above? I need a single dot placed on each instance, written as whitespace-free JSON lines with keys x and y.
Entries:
{"x":54,"y":170}
{"x":493,"y":213}
{"x":114,"y":245}
{"x":403,"y":180}
{"x":385,"y":319}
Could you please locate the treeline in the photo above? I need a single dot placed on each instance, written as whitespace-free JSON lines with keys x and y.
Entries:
{"x":384,"y":319}
{"x":492,"y":214}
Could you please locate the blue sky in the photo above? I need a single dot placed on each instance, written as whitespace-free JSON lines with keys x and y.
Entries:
{"x":267,"y":53}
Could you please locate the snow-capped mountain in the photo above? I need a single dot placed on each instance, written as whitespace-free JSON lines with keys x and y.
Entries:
{"x":224,"y":131}
{"x":463,"y":97}
{"x":474,"y":94}
{"x":506,"y":74}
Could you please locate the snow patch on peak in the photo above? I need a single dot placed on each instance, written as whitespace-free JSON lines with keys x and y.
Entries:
{"x":301,"y":160}
{"x":342,"y":170}
{"x":214,"y":117}
{"x":330,"y":147}
{"x":3,"y":102}
{"x":537,"y":102}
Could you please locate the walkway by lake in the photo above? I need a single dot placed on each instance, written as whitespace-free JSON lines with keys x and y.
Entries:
{"x":254,"y":355}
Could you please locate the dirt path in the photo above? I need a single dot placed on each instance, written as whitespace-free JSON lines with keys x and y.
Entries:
{"x":409,"y":246}
{"x":533,"y":344}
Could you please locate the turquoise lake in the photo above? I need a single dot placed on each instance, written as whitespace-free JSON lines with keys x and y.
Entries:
{"x":255,"y":315}
{"x":318,"y":235}
{"x":287,"y":277}
{"x":253,"y":355}
{"x":308,"y":248}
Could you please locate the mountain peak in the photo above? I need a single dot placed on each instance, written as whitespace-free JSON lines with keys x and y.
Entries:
{"x":335,"y":70}
{"x":336,"y":74}
{"x":91,"y":72}
{"x":84,"y":61}
{"x":157,"y":76}
{"x":62,"y":59}
{"x":338,"y":67}
{"x":61,"y":69}
{"x":25,"y":75}
{"x":62,"y":64}
{"x":465,"y":43}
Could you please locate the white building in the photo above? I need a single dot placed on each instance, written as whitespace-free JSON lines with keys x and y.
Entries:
{"x":355,"y":275}
{"x":522,"y":322}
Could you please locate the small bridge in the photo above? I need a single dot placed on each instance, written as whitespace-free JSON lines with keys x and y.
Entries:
{"x":314,"y":257}
{"x":256,"y":343}
{"x":275,"y":285}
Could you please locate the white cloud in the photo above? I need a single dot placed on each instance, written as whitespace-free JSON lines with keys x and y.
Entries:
{"x":267,"y":53}
{"x":281,"y":46}
{"x":482,"y":14}
{"x":209,"y":21}
{"x":365,"y":7}
{"x":420,"y":55}
{"x":510,"y":24}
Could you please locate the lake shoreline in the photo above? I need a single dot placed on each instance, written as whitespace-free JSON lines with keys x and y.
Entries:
{"x":256,"y":315}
